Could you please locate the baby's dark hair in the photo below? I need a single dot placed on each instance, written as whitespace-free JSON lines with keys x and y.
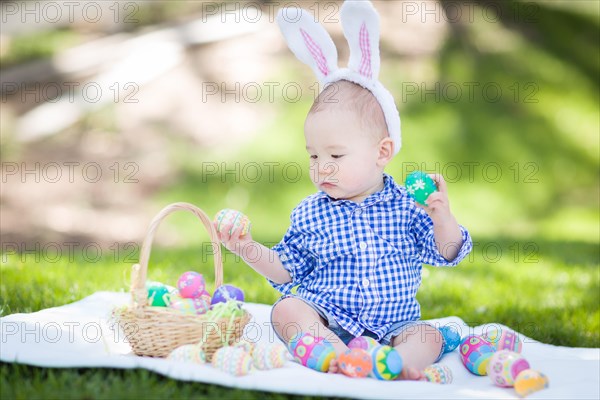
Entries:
{"x":344,"y":95}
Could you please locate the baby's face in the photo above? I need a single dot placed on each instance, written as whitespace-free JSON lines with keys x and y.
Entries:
{"x":344,"y":160}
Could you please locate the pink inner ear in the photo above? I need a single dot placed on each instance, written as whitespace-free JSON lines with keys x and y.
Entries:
{"x":365,"y":48}
{"x":316,"y":52}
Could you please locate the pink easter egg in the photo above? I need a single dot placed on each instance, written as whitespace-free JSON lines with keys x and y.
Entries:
{"x":475,"y":353}
{"x":191,"y":284}
{"x":314,"y":353}
{"x":363,"y":342}
{"x":505,"y":366}
{"x":504,"y":339}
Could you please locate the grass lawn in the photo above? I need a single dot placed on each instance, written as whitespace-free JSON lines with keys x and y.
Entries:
{"x":546,"y":290}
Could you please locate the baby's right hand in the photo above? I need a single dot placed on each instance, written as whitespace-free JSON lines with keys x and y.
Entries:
{"x":233,"y":236}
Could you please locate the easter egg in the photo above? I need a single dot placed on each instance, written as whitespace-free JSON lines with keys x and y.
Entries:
{"x":157,"y":294}
{"x":188,"y":353}
{"x":419,"y":186}
{"x":190,"y":306}
{"x":438,"y":373}
{"x":314,"y":353}
{"x":233,"y":360}
{"x":451,"y":338}
{"x":191,"y":284}
{"x":475,"y":353}
{"x":363,"y":342}
{"x":205,"y":296}
{"x":504,"y":366}
{"x":529,"y":381}
{"x":387,"y":363}
{"x":504,"y":339}
{"x":247,"y":345}
{"x":225,"y":293}
{"x":269,"y":356}
{"x":234,"y":218}
{"x":355,"y":363}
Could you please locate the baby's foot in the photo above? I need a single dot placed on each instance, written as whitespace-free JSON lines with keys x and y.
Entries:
{"x":412,"y":374}
{"x":334,"y":368}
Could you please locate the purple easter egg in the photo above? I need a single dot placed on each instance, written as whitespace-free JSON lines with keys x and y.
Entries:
{"x":225,"y":293}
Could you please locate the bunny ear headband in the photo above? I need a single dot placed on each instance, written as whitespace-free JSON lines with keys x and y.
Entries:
{"x":312,"y":45}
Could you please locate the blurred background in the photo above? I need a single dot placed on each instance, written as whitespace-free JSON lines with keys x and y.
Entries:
{"x":111,"y":110}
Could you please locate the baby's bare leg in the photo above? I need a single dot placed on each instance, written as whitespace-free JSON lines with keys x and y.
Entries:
{"x":291,"y":316}
{"x":419,"y":347}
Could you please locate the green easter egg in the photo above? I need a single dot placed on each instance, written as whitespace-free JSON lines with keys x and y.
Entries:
{"x":419,"y":186}
{"x":156,"y":294}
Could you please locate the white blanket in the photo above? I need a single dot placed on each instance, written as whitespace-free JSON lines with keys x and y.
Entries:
{"x":78,"y":335}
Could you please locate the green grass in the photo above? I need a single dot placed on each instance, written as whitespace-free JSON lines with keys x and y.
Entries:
{"x":547,"y":290}
{"x":111,"y":384}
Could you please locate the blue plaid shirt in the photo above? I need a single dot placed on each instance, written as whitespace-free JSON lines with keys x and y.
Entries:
{"x":362,"y":262}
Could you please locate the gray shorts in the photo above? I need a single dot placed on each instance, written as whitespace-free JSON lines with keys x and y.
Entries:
{"x":341,"y":334}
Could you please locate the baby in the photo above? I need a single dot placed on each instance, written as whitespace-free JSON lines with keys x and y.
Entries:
{"x":355,"y":249}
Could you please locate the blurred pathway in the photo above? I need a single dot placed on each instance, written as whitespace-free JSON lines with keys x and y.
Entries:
{"x":84,"y":171}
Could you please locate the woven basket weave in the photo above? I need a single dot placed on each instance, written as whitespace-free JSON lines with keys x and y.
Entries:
{"x":156,"y":331}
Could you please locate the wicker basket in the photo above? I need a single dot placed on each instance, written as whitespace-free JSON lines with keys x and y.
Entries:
{"x":156,"y":331}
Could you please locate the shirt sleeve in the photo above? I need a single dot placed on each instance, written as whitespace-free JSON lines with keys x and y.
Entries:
{"x":296,"y":259}
{"x":423,"y":229}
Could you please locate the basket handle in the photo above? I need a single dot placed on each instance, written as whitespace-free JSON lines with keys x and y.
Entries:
{"x":139,"y":271}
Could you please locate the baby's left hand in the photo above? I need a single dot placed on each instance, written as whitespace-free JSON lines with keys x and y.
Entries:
{"x":437,"y":204}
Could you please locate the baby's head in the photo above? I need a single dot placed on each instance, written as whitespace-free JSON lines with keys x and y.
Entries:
{"x":348,"y":142}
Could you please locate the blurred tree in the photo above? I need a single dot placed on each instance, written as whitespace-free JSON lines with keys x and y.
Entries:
{"x":566,"y":32}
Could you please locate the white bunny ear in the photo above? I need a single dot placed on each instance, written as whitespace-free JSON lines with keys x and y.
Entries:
{"x":360,"y":22}
{"x":309,"y":41}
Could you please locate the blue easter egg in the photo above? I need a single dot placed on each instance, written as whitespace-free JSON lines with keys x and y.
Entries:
{"x":387,"y":363}
{"x":451,"y":338}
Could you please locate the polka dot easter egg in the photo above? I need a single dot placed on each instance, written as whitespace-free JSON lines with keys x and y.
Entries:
{"x":419,"y":186}
{"x":387,"y":363}
{"x":438,"y":373}
{"x":355,"y":363}
{"x":314,"y":353}
{"x":234,"y":218}
{"x":504,"y":339}
{"x":188,"y":353}
{"x":475,"y":353}
{"x":225,"y":293}
{"x":451,"y":338}
{"x":191,"y":285}
{"x":505,"y":366}
{"x":233,"y":360}
{"x":530,"y":381}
